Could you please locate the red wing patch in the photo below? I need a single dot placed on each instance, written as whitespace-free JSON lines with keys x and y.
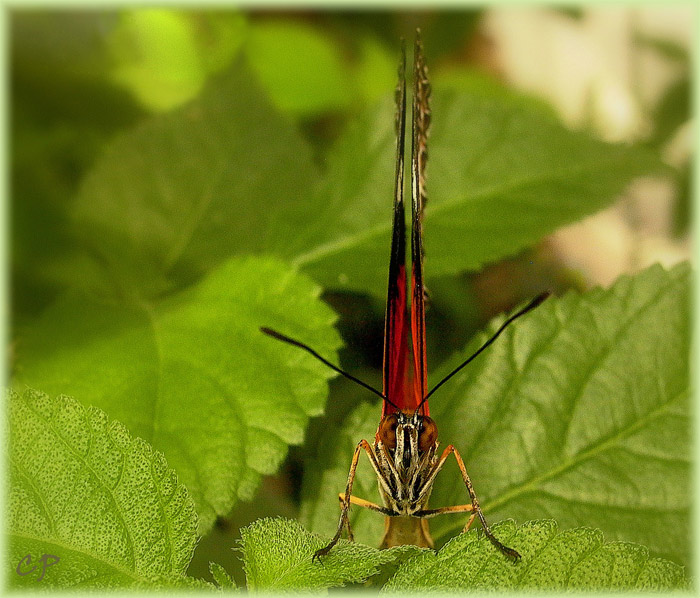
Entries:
{"x":405,"y":366}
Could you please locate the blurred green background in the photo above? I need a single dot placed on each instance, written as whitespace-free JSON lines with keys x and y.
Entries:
{"x":79,"y":78}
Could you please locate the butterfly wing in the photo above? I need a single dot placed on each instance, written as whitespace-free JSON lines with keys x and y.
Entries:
{"x":396,"y":362}
{"x":419,"y":156}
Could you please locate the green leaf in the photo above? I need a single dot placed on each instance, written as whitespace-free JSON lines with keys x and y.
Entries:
{"x":227,"y":175}
{"x":221,"y":577}
{"x":578,"y":411}
{"x":102,"y":502}
{"x":575,"y":559}
{"x":666,"y":48}
{"x":176,"y":195}
{"x":155,"y":56}
{"x":300,"y":68}
{"x":163,"y":56}
{"x":502,"y":173}
{"x":277,"y":555}
{"x":193,"y":375}
{"x":672,"y":111}
{"x":375,"y":71}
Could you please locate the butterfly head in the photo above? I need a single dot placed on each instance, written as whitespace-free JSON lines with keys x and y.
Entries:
{"x":402,"y":430}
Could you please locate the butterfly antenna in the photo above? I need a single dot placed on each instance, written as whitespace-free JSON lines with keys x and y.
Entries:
{"x":530,"y":306}
{"x":281,"y":337}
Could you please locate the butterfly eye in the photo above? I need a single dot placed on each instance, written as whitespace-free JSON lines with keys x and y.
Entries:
{"x":427,"y":436}
{"x":387,"y":431}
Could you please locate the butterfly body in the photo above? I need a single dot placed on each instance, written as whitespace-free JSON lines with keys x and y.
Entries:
{"x":404,"y":454}
{"x":405,"y":447}
{"x":406,"y":451}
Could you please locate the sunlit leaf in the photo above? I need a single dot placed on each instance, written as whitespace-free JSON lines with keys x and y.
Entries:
{"x":299,"y":66}
{"x":160,"y":54}
{"x":192,"y":374}
{"x":156,"y":57}
{"x":576,"y":559}
{"x":277,"y":556}
{"x":85,"y":492}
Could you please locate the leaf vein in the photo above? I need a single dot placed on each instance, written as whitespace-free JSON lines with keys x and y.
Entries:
{"x":88,"y":467}
{"x":433,"y":209}
{"x":580,"y":457}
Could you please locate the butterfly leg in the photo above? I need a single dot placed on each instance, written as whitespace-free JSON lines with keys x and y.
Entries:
{"x":365,"y":504}
{"x":474,"y":507}
{"x":346,"y":499}
{"x":430,"y":513}
{"x":469,"y":523}
{"x":361,"y":502}
{"x":477,"y":509}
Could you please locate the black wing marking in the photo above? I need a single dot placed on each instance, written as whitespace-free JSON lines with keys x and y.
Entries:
{"x":396,"y":317}
{"x":419,"y":157}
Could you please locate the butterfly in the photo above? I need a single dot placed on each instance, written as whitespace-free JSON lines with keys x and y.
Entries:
{"x":404,"y":453}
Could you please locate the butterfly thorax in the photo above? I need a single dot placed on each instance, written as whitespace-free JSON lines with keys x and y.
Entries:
{"x":405,"y":447}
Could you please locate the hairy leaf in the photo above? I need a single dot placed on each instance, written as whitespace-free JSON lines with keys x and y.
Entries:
{"x":277,"y":555}
{"x":192,"y":374}
{"x":579,"y":411}
{"x":575,"y":559}
{"x":221,"y":577}
{"x":84,"y":491}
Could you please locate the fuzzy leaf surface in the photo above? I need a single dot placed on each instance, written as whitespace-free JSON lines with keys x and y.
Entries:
{"x":222,"y":578}
{"x":82,"y":489}
{"x":576,"y":559}
{"x":277,"y":555}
